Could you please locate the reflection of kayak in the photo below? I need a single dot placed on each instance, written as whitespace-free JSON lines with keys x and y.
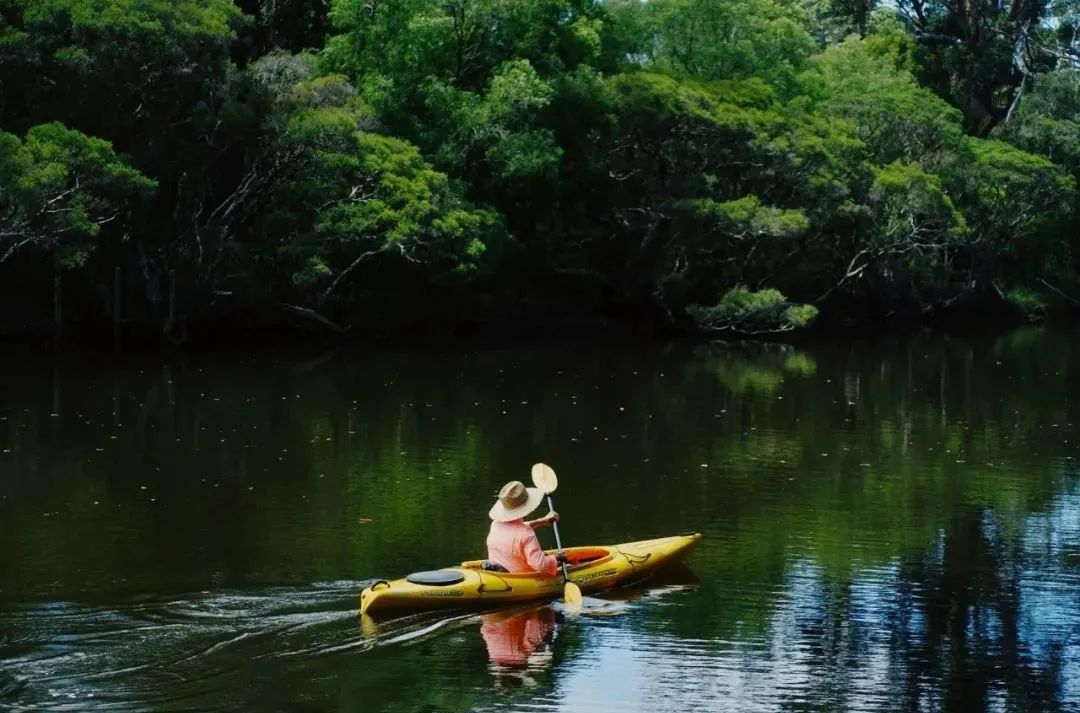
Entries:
{"x":592,"y":568}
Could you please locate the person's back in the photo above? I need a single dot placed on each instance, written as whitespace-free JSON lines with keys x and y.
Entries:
{"x":511,"y":542}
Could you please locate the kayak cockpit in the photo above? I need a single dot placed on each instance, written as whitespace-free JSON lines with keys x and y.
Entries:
{"x":575,"y":557}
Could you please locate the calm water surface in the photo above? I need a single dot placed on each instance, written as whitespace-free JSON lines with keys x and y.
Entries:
{"x":889,"y":526}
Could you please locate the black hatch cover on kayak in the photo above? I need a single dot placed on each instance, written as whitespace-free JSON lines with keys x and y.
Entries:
{"x":436,"y":578}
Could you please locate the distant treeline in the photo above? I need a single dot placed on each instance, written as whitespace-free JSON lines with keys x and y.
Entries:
{"x":444,"y":166}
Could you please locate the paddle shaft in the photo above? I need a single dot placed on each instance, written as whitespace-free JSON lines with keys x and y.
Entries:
{"x":558,"y":541}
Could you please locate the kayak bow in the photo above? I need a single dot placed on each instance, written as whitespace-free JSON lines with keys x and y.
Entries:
{"x":591,"y":568}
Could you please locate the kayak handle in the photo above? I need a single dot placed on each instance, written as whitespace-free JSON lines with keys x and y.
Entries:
{"x":377,"y":582}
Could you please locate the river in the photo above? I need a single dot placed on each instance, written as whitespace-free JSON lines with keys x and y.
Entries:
{"x":889,"y":524}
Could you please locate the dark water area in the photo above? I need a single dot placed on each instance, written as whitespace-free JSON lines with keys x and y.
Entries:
{"x":890,"y":525}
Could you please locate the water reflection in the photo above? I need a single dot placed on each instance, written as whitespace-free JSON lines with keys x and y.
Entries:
{"x":519,"y":643}
{"x":888,"y":526}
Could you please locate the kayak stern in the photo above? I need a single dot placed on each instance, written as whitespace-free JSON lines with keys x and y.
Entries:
{"x":369,"y":596}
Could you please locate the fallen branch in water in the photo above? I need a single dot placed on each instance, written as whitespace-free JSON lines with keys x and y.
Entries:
{"x":313,"y":316}
{"x":1059,"y":292}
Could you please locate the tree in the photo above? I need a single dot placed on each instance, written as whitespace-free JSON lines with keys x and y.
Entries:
{"x":980,"y":54}
{"x":742,"y":311}
{"x":866,"y":83}
{"x":58,"y":189}
{"x":283,"y":24}
{"x":497,"y":130}
{"x":132,"y":71}
{"x":474,"y":84}
{"x":686,"y":190}
{"x":721,"y":39}
{"x":918,"y":231}
{"x":639,"y":159}
{"x":375,"y":196}
{"x":1048,"y":121}
{"x":1017,"y":203}
{"x":391,"y":48}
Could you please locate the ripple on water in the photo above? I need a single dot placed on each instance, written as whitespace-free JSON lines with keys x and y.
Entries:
{"x":168,"y":652}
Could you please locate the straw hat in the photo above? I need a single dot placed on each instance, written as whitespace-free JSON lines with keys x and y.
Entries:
{"x":515,"y":501}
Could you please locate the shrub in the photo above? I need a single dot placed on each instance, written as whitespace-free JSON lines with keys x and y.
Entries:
{"x":745,"y":311}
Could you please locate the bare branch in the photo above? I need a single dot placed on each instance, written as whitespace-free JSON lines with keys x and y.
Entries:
{"x":17,"y":246}
{"x":348,"y":271}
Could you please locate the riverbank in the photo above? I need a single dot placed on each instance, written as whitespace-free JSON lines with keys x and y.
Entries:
{"x":503,"y":318}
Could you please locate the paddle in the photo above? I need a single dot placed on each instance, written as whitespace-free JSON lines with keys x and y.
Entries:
{"x":544,"y":478}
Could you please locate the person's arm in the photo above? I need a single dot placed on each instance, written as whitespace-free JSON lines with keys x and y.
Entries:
{"x":540,"y":562}
{"x":545,"y":520}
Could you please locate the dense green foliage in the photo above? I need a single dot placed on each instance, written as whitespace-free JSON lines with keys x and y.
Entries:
{"x":412,"y":163}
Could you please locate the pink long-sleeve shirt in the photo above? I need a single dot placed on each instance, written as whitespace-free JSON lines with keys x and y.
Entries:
{"x":515,"y":546}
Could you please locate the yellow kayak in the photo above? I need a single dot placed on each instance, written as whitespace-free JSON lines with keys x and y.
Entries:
{"x":591,"y":568}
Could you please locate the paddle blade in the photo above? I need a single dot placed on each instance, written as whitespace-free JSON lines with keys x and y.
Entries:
{"x":544,"y":478}
{"x":572,"y":597}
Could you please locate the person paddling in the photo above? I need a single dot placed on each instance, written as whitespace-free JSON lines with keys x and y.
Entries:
{"x":512,"y":543}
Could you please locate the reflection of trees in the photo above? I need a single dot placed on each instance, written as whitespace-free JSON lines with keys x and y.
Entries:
{"x":940,"y":630}
{"x":908,"y":469}
{"x":759,"y":367}
{"x":938,"y":452}
{"x":247,"y":464}
{"x":883,"y":464}
{"x":949,"y":628}
{"x":972,"y":637}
